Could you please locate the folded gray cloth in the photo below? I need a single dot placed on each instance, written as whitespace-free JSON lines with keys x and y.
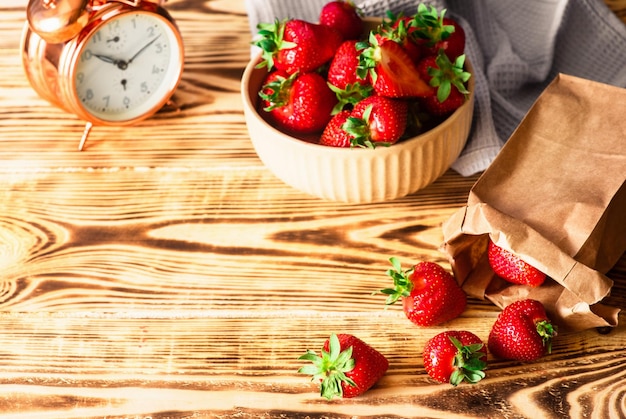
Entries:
{"x":516,"y":48}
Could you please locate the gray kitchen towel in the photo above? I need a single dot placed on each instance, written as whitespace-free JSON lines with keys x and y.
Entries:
{"x":516,"y":48}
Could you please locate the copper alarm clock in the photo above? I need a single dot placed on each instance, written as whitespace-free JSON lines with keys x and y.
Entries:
{"x":109,"y":62}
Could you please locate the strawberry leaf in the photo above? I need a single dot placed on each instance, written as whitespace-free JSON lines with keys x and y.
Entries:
{"x":468,"y":363}
{"x":350,"y":96}
{"x":401,"y":281}
{"x":270,"y":40}
{"x":448,"y":74}
{"x":360,"y":131}
{"x":330,"y":368}
{"x":430,"y":26}
{"x":546,"y":331}
{"x":276,"y":92}
{"x":368,"y":59}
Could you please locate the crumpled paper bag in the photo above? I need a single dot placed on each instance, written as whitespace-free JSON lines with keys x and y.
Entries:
{"x":556,"y":196}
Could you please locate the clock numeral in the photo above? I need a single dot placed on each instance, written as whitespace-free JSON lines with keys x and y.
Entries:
{"x":89,"y":94}
{"x":144,"y":87}
{"x":86,"y":56}
{"x":158,"y":48}
{"x":150,"y":30}
{"x":106,"y":100}
{"x":126,"y":101}
{"x":156,"y":70}
{"x":97,"y":37}
{"x":80,"y":77}
{"x":113,"y":27}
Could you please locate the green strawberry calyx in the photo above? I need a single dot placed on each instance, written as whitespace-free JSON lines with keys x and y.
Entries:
{"x":270,"y":40}
{"x":276,"y":92}
{"x":468,"y":363}
{"x":430,"y":26}
{"x":350,"y":96}
{"x":394,"y":27}
{"x":401,"y":281}
{"x":330,"y":368}
{"x":448,"y":74}
{"x":369,"y":58}
{"x":360,"y":131}
{"x":546,"y":331}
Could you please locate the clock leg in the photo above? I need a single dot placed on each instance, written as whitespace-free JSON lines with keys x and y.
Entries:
{"x":83,"y":140}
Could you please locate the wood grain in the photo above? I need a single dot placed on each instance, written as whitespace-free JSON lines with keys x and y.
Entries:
{"x":165,"y":273}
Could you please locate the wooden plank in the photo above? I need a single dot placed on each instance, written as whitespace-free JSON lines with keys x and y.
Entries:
{"x":101,"y":239}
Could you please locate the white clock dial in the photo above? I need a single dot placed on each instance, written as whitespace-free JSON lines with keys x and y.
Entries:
{"x":128,"y":67}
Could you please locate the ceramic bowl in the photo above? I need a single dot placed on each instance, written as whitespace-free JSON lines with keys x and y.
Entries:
{"x":354,"y":175}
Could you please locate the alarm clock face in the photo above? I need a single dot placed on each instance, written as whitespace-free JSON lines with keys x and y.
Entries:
{"x":128,"y":67}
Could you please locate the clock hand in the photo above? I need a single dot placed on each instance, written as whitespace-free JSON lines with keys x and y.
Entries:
{"x":121,"y":64}
{"x":106,"y":59}
{"x":143,"y":49}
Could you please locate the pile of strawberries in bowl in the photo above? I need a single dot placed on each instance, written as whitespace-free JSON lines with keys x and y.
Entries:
{"x":359,"y":109}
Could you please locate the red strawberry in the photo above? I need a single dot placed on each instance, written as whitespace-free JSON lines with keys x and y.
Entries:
{"x":511,"y":268}
{"x":334,"y":135}
{"x":454,"y":101}
{"x":436,"y":32}
{"x":343,"y":79}
{"x":522,"y":332}
{"x":377,"y":120}
{"x":342,"y":70}
{"x":449,"y":80}
{"x":455,"y":356}
{"x":430,"y":294}
{"x":295,"y":45}
{"x":298,"y":103}
{"x":391,"y":70}
{"x":399,"y":28}
{"x":344,"y":17}
{"x":347,"y":366}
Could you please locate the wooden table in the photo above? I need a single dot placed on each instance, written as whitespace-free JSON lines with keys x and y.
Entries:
{"x":165,"y":273}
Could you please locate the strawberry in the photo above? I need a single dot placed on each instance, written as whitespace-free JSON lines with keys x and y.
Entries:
{"x":399,"y":28}
{"x":449,"y":80}
{"x":522,"y":332}
{"x":377,"y":120}
{"x":294,"y":45}
{"x":455,"y":356}
{"x":436,"y":32}
{"x":430,"y":295}
{"x":434,"y":107}
{"x":299,"y":103}
{"x":344,"y":17}
{"x":346,"y":367}
{"x":343,"y":79}
{"x":334,"y":135}
{"x":511,"y":268}
{"x":391,"y":69}
{"x":342,"y":70}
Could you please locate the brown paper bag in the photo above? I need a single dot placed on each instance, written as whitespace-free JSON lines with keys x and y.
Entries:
{"x":556,"y":196}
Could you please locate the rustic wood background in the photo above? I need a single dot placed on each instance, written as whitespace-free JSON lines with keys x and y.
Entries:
{"x":165,"y":273}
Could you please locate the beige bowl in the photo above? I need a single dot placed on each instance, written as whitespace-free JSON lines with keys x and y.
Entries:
{"x":355,"y":175}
